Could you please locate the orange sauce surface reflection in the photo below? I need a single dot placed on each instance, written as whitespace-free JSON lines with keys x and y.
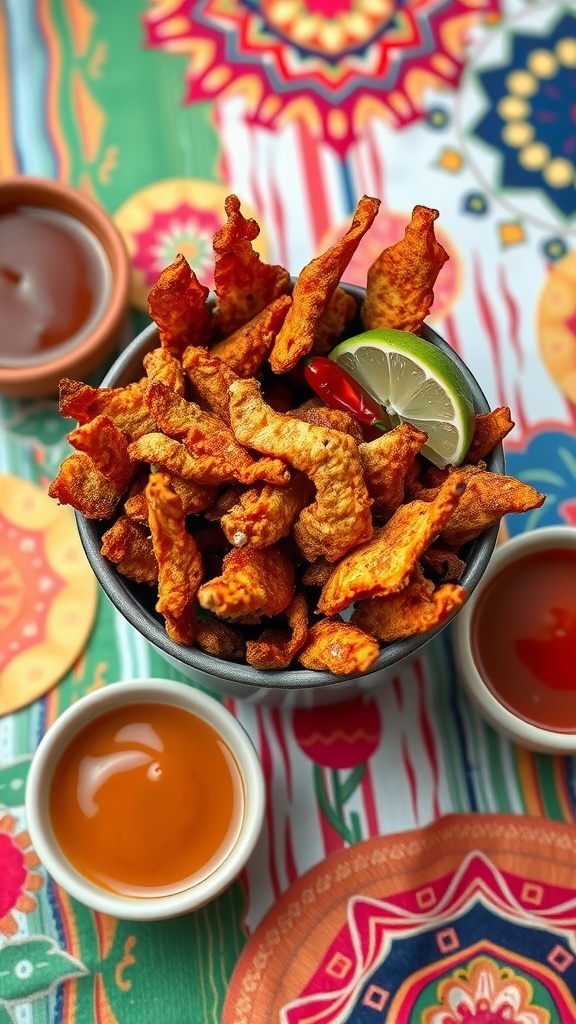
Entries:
{"x":146,"y":800}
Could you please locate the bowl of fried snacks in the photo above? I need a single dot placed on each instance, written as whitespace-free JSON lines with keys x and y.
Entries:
{"x":267,"y":543}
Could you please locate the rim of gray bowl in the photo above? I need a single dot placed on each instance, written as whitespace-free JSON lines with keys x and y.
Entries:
{"x":121,"y":591}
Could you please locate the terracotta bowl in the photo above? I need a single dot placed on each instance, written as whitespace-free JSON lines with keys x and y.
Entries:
{"x":292,"y":686}
{"x":38,"y":376}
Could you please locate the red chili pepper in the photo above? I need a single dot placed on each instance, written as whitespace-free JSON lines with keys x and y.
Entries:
{"x":338,"y":389}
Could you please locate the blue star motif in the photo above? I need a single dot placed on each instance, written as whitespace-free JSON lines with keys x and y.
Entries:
{"x":549,"y":118}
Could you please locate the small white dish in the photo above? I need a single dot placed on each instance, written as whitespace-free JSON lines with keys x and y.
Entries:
{"x":516,"y":728}
{"x":54,"y":743}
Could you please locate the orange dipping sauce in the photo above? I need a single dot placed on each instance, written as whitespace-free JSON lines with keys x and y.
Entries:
{"x":54,"y":282}
{"x":146,"y":800}
{"x":523,"y":636}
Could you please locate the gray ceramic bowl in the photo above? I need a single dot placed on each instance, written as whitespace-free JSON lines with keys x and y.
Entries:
{"x":293,"y":686}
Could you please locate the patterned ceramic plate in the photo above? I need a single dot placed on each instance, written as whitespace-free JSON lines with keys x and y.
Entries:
{"x":48,"y":593}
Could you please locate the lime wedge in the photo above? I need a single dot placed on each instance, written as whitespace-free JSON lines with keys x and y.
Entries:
{"x":417,"y":383}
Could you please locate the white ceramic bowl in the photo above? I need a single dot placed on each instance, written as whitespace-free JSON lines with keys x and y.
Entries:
{"x":515,"y":728}
{"x":60,"y":735}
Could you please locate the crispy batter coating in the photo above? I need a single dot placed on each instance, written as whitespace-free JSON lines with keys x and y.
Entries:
{"x":338,"y":647}
{"x":108,"y":448}
{"x":179,"y":561}
{"x":264,"y":514}
{"x":244,"y":285}
{"x":384,"y":564}
{"x":399,"y":290}
{"x":195,"y":497}
{"x":130,"y":546}
{"x":124,"y":406}
{"x":84,"y":487}
{"x":341,"y":309}
{"x":386,"y":461}
{"x":314,"y":288}
{"x":317,"y":574}
{"x":339,"y":518}
{"x":488,"y":498}
{"x":207,"y":457}
{"x":415,"y":609}
{"x":336,"y":419}
{"x":177,"y":303}
{"x":218,"y":457}
{"x":162,"y":366}
{"x":220,"y":640}
{"x":211,"y":378}
{"x":276,"y":648}
{"x":246,"y":349}
{"x":254,"y":581}
{"x":226,"y":500}
{"x":490,"y":428}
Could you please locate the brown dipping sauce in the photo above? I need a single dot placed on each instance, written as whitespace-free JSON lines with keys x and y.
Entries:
{"x":54,"y":282}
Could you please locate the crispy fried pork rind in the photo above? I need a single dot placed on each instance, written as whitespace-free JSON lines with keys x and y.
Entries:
{"x":124,"y":406}
{"x":488,"y":497}
{"x":400,"y":284}
{"x":130,"y":547}
{"x":384,"y":564}
{"x":490,"y":428}
{"x":108,"y":448}
{"x":244,"y":285}
{"x":195,"y":497}
{"x":417,"y":608}
{"x":339,"y":518}
{"x":163,"y":367}
{"x":209,"y":453}
{"x":341,"y":309}
{"x":315,"y":287}
{"x":335,"y":419}
{"x":178,"y":558}
{"x":220,"y":640}
{"x":276,"y":648}
{"x":317,"y":574}
{"x":442,"y":564}
{"x":386,"y":462}
{"x":177,"y":303}
{"x":247,"y":348}
{"x":338,"y":647}
{"x":254,"y":582}
{"x":84,"y":487}
{"x":266,"y":513}
{"x":211,"y":378}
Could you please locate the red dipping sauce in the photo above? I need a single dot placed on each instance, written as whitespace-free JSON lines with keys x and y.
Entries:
{"x":523,"y":636}
{"x":55,"y":282}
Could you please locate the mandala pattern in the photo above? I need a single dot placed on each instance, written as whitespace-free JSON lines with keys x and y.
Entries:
{"x":332,"y":62}
{"x":18,"y":880}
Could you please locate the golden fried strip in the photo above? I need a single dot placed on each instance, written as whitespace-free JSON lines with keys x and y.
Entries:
{"x":338,"y":647}
{"x":417,"y":608}
{"x":246,"y":349}
{"x":124,"y":406}
{"x":244,"y":285}
{"x":263,"y":515}
{"x":129,"y":545}
{"x":317,"y":574}
{"x":220,"y":640}
{"x":400,"y":283}
{"x":314,"y":288}
{"x":490,"y":428}
{"x":177,"y":304}
{"x":195,"y":497}
{"x":336,"y":419}
{"x":384,"y":564}
{"x":339,"y":518}
{"x":107,"y":447}
{"x":386,"y":461}
{"x":339,"y":312}
{"x":211,"y":378}
{"x":162,"y":366}
{"x":443,"y":564}
{"x":84,"y":487}
{"x":179,"y":561}
{"x":276,"y":648}
{"x":254,"y":581}
{"x":488,"y":498}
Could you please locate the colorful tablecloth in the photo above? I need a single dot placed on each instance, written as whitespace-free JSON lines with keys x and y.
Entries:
{"x":158,"y":110}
